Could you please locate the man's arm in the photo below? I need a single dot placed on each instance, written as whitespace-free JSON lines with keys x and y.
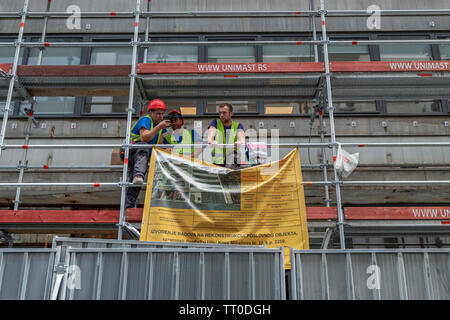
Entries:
{"x":197,"y":140}
{"x":211,"y":134}
{"x":148,"y":135}
{"x":241,"y":137}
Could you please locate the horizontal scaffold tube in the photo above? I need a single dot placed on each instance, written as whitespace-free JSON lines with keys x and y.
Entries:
{"x":305,"y":183}
{"x":231,"y":14}
{"x":178,"y":43}
{"x":280,"y":145}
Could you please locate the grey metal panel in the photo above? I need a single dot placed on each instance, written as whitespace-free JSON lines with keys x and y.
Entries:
{"x":26,"y":274}
{"x":414,"y":272}
{"x":440,"y":275}
{"x":403,"y":274}
{"x":310,"y":280}
{"x":337,"y":275}
{"x":389,"y":280}
{"x":178,"y":273}
{"x":360,"y":261}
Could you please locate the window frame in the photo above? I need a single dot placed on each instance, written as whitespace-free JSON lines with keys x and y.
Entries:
{"x":202,"y":56}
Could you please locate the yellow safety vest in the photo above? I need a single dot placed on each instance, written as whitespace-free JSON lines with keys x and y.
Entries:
{"x":218,"y":154}
{"x":136,"y":137}
{"x":187,"y":138}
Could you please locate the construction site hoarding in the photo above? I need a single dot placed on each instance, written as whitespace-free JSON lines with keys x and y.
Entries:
{"x":194,"y":201}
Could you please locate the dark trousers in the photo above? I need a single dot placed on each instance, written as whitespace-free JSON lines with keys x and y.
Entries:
{"x":137,"y":166}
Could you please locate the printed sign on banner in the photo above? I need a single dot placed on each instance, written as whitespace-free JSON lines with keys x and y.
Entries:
{"x":193,"y":201}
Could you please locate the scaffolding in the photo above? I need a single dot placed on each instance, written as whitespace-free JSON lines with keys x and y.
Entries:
{"x":133,"y":79}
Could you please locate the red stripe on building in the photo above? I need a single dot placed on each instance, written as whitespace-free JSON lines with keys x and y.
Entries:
{"x":6,"y":67}
{"x":397,"y":213}
{"x":205,"y":68}
{"x":79,"y":70}
{"x":313,"y":213}
{"x":234,"y":68}
{"x":390,"y":66}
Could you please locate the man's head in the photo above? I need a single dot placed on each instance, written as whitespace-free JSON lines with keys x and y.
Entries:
{"x":176,"y":118}
{"x":156,"y":109}
{"x":225,"y":113}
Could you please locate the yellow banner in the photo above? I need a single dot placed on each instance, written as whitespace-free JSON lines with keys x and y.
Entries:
{"x":193,"y":201}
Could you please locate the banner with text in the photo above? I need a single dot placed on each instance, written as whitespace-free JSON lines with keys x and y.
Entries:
{"x":193,"y":201}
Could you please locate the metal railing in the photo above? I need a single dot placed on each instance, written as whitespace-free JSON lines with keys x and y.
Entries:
{"x":370,"y":274}
{"x":326,"y":97}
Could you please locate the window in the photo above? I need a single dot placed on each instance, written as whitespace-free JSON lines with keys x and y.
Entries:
{"x":349,"y":53}
{"x":445,"y":51}
{"x":413,"y":106}
{"x":51,"y":105}
{"x":353,"y":106}
{"x":405,"y":52}
{"x":186,"y":107}
{"x":287,"y":53}
{"x":243,"y":54}
{"x":172,"y":54}
{"x":238,"y":106}
{"x":288,"y":107}
{"x":2,"y":108}
{"x":7,"y":53}
{"x":56,"y":56}
{"x":108,"y":56}
{"x":100,"y":105}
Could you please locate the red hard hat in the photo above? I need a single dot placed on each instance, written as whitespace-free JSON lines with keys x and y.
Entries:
{"x":156,"y":104}
{"x":176,"y":114}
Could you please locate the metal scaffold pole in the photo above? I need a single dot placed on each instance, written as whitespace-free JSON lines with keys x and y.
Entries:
{"x":13,"y":75}
{"x":314,"y":31}
{"x":24,"y":163}
{"x":130,"y":110}
{"x":147,"y":28}
{"x":332,"y":127}
{"x":323,"y":158}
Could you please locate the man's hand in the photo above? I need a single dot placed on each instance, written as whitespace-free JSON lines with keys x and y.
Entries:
{"x":164,"y":124}
{"x":213,"y":143}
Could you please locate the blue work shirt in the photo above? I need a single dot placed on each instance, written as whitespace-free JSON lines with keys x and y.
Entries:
{"x":146,"y":122}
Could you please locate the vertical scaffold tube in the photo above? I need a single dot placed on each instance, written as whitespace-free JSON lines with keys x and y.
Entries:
{"x":129,"y":119}
{"x":332,"y":128}
{"x":13,"y":75}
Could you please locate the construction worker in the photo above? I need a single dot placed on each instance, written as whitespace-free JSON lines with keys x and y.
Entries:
{"x":183,"y":136}
{"x":226,"y":131}
{"x":148,"y":130}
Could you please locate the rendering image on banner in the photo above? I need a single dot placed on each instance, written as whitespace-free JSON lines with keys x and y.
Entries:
{"x":194,"y":201}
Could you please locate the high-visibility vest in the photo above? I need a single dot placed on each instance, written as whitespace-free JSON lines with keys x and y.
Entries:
{"x":187,"y":138}
{"x":218,"y":154}
{"x":136,"y":137}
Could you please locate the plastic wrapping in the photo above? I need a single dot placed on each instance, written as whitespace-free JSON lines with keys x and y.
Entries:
{"x":346,"y":163}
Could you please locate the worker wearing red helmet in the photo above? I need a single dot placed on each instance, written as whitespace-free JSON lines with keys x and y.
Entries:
{"x":148,"y":130}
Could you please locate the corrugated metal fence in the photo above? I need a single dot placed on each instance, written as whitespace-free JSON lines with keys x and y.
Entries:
{"x":174,"y":273}
{"x":370,"y":274}
{"x":211,"y":272}
{"x":26,"y":274}
{"x":215,"y":273}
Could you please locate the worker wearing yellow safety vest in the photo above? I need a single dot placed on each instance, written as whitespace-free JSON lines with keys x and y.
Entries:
{"x":226,"y":131}
{"x":147,"y":130}
{"x":182,"y":136}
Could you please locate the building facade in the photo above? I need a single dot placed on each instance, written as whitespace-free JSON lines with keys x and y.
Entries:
{"x":387,"y":106}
